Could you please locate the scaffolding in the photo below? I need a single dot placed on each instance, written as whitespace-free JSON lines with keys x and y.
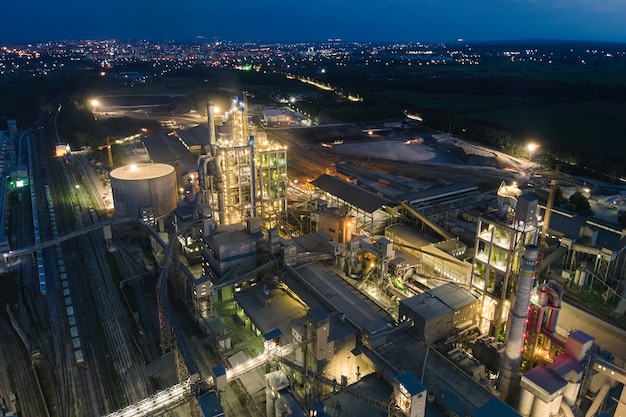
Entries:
{"x":501,"y":238}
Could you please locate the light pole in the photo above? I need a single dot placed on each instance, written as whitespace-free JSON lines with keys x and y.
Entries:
{"x":531,"y":147}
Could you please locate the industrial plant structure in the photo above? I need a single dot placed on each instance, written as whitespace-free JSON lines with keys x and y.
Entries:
{"x":241,"y":173}
{"x":501,"y":238}
{"x":363,"y":302}
{"x":355,"y":289}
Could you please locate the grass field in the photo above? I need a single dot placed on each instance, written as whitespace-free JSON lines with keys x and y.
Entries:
{"x":12,"y":96}
{"x":455,"y":103}
{"x":600,"y":126}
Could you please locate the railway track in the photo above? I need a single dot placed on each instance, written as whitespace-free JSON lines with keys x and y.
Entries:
{"x":29,"y":400}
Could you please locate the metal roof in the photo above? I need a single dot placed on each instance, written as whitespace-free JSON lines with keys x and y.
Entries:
{"x":528,"y":197}
{"x":451,"y":402}
{"x":164,"y":148}
{"x":200,"y":133}
{"x":210,"y":405}
{"x":426,"y":306}
{"x":567,"y":368}
{"x":412,"y":385}
{"x":453,"y":295}
{"x":568,"y":224}
{"x":219,"y":370}
{"x":141,"y":172}
{"x":439,"y":300}
{"x":495,"y":407}
{"x":580,"y":336}
{"x":273,"y":334}
{"x":434,"y":193}
{"x":339,"y":329}
{"x":548,"y":381}
{"x":318,"y":314}
{"x":354,"y":195}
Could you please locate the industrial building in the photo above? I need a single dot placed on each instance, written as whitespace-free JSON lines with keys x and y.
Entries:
{"x":366,"y":207}
{"x":438,"y":312}
{"x":591,"y":254}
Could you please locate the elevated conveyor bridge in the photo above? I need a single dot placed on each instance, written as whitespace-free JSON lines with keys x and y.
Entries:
{"x":71,"y":235}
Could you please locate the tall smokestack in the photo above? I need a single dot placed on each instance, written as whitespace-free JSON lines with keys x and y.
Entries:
{"x":509,"y":370}
{"x":211,"y":123}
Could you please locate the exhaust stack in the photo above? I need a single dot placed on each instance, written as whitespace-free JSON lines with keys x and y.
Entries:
{"x":509,"y":370}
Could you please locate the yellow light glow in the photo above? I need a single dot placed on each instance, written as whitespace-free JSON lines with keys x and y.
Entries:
{"x":531,"y":147}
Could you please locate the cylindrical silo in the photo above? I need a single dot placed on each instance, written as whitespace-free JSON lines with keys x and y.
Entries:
{"x":139,"y":188}
{"x":541,"y":408}
{"x":509,"y":378}
{"x":555,"y":406}
{"x":571,"y":393}
{"x":526,"y":399}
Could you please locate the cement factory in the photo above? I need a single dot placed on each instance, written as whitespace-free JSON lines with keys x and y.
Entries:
{"x":369,"y":296}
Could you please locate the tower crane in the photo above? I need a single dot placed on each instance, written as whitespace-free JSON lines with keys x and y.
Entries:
{"x":546,"y":217}
{"x":107,"y":145}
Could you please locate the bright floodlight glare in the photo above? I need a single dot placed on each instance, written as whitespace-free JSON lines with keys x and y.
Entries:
{"x":531,"y":147}
{"x":94,"y":102}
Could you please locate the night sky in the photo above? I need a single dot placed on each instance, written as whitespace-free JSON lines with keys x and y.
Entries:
{"x":302,"y":20}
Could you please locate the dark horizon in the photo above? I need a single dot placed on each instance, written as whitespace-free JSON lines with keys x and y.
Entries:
{"x":392,"y":21}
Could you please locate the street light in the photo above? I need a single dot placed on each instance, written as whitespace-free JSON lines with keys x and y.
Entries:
{"x":531,"y":147}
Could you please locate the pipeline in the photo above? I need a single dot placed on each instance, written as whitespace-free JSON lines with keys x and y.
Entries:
{"x":252,"y":177}
{"x":600,"y":396}
{"x":567,"y":410}
{"x":217,"y":171}
{"x":211,"y":123}
{"x":203,"y":160}
{"x":552,"y":288}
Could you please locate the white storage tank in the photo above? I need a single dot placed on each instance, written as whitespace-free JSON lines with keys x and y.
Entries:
{"x":138,"y":188}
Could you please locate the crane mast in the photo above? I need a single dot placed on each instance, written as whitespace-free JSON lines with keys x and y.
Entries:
{"x":546,"y":216}
{"x":107,"y":145}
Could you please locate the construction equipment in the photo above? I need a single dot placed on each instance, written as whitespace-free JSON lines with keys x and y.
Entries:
{"x":246,"y":113}
{"x":546,"y":216}
{"x":107,"y":145}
